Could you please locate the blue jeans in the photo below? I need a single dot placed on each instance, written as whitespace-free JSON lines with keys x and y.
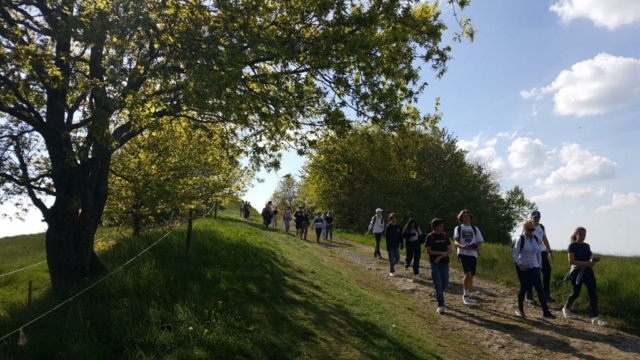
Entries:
{"x":378,"y":237}
{"x":286,"y":224}
{"x":440,"y":275}
{"x":394,"y":258}
{"x":328,"y":232}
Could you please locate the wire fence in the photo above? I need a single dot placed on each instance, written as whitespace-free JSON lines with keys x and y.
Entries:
{"x":19,"y":330}
{"x":24,"y":268}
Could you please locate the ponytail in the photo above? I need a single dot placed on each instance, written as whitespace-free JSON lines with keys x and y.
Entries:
{"x":574,"y":236}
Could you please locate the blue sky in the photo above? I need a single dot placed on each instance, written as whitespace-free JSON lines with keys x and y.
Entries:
{"x":569,"y":140}
{"x":549,"y":95}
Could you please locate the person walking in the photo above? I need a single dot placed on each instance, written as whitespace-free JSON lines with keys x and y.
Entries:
{"x":247,"y":209}
{"x":328,"y":231}
{"x":527,"y":256}
{"x":241,"y":208}
{"x":299,"y":220}
{"x":318,"y":225}
{"x":581,"y":272}
{"x":411,"y":233}
{"x":305,"y":223}
{"x":274,"y":216}
{"x":267,"y":215}
{"x":438,"y":248}
{"x":393,"y":239}
{"x":547,"y":255}
{"x":468,"y":241}
{"x":377,"y":227}
{"x":286,"y":218}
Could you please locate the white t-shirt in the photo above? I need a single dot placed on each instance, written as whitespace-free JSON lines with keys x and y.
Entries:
{"x":468,"y":237}
{"x":540,"y":233}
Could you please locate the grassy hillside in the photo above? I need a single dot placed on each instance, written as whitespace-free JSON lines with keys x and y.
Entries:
{"x":240,"y":293}
{"x":617,"y":285}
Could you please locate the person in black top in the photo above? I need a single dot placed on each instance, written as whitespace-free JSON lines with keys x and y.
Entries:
{"x":274,"y":218}
{"x":299,"y":219}
{"x":582,"y":264}
{"x":393,"y":238}
{"x":328,"y":231}
{"x":305,"y":224}
{"x":412,"y":233}
{"x":438,"y":247}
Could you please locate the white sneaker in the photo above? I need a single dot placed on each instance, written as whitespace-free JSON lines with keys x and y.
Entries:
{"x":467,"y":300}
{"x":598,"y":321}
{"x":520,"y":313}
{"x":392,"y":274}
{"x":440,"y":310}
{"x":567,"y":313}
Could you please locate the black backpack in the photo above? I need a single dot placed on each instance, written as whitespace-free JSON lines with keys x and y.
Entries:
{"x":513,"y":243}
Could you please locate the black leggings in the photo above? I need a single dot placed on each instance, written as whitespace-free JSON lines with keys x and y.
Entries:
{"x":589,"y":279}
{"x":530,"y":279}
{"x":318,"y":233}
{"x":413,"y":253}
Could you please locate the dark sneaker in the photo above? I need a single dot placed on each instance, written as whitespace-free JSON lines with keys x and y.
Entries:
{"x":548,"y":315}
{"x":550,"y":299}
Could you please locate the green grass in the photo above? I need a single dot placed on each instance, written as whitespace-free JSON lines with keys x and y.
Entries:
{"x":618,"y":286}
{"x":241,"y":293}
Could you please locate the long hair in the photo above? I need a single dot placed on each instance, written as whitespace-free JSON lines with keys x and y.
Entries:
{"x":408,"y":225}
{"x":574,"y":237}
{"x":459,"y":217}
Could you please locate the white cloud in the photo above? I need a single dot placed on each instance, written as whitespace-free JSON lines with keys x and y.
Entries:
{"x":569,"y":193}
{"x":507,"y":135}
{"x":603,"y":13}
{"x":620,"y":201}
{"x":579,"y":166}
{"x":534,"y":111}
{"x":528,"y":157}
{"x":470,"y":144}
{"x":490,"y":156}
{"x":577,"y":210}
{"x":491,"y":142}
{"x":593,"y":86}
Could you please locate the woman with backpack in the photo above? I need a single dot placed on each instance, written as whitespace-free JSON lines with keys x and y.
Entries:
{"x":328,"y":230}
{"x":287,"y":218}
{"x":527,"y":256}
{"x":581,"y":272}
{"x":318,"y":225}
{"x":377,"y":226}
{"x":412,"y":233}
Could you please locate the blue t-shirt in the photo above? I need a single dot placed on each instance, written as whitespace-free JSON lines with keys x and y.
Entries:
{"x":581,"y":251}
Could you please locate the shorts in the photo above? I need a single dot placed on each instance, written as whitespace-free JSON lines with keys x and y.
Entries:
{"x":469,"y":263}
{"x":298,"y":225}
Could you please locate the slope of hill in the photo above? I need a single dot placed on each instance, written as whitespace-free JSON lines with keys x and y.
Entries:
{"x":241,"y":293}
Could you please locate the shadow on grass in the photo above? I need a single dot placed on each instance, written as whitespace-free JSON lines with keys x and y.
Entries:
{"x":226,"y":299}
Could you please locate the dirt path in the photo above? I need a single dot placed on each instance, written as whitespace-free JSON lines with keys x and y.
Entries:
{"x":492,"y":325}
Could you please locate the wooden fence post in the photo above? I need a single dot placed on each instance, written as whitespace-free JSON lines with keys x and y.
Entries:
{"x":189,"y":229}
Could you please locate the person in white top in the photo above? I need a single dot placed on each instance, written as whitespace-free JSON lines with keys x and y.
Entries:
{"x":527,"y":255}
{"x":377,"y":226}
{"x":468,"y":241}
{"x":547,"y":255}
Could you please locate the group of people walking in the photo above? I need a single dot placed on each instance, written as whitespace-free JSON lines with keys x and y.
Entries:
{"x":322,"y":223}
{"x":531,"y":254}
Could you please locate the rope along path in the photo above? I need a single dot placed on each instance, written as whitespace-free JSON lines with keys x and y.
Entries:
{"x":86,"y":289}
{"x":24,"y":268}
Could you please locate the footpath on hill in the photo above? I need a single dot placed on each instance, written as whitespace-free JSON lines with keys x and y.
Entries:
{"x":492,"y":326}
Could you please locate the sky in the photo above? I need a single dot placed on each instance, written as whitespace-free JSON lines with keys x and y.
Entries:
{"x":549,"y":95}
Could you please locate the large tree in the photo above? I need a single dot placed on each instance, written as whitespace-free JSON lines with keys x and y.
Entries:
{"x":416,"y":171}
{"x":81,"y":78}
{"x":173,"y":168}
{"x":286,"y":192}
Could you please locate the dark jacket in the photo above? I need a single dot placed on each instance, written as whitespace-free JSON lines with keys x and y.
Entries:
{"x":393,"y":235}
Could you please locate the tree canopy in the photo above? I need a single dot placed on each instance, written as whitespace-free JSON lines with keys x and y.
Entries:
{"x":81,"y":78}
{"x":415,"y":171}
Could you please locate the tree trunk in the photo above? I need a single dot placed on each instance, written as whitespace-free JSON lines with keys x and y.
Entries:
{"x":215,"y":210}
{"x":73,"y":221}
{"x":136,"y":220}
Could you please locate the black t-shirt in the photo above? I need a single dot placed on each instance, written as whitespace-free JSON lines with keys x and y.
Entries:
{"x":299,"y":216}
{"x":581,"y":251}
{"x":393,"y":235}
{"x":329,"y":220}
{"x":275,"y":212}
{"x":438,"y":242}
